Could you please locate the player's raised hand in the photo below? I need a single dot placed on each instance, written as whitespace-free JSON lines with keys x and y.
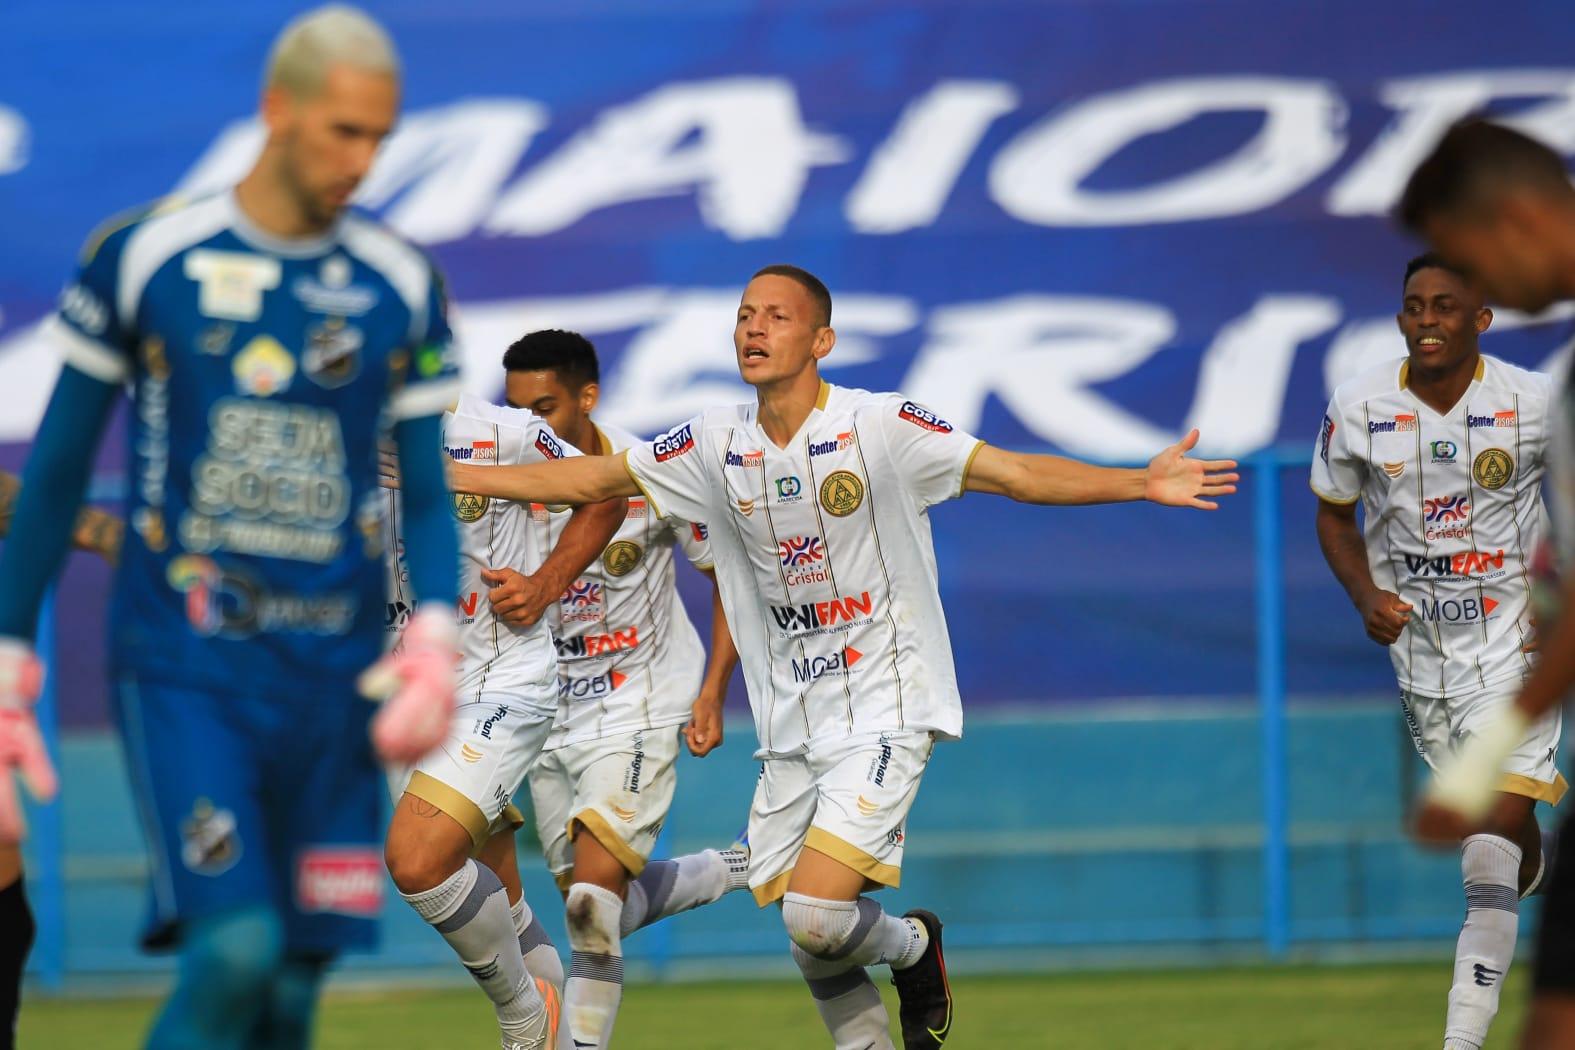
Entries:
{"x":416,"y":684}
{"x":1176,"y":481}
{"x":22,"y":748}
{"x":703,"y":734}
{"x":518,"y":600}
{"x":1384,"y":614}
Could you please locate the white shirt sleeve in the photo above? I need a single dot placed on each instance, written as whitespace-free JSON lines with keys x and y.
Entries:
{"x":1337,"y":474}
{"x":670,"y":470}
{"x":695,"y":539}
{"x":931,"y":455}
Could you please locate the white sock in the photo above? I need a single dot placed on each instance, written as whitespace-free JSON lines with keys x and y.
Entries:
{"x":471,"y":910}
{"x":857,"y":932}
{"x":595,"y":963}
{"x":848,"y":1002}
{"x":1491,"y":868}
{"x":541,"y":955}
{"x":667,"y":887}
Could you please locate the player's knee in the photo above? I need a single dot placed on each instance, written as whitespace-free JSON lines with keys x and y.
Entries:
{"x":808,"y":928}
{"x":236,"y":956}
{"x":417,"y":866}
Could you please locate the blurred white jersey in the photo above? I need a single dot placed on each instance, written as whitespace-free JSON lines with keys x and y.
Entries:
{"x":824,"y":557}
{"x":1453,"y":514}
{"x":628,"y":656}
{"x":497,"y":658}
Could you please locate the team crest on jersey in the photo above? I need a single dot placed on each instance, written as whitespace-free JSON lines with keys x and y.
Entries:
{"x":1493,"y":468}
{"x":620,"y":557}
{"x":263,"y":368}
{"x":470,"y":508}
{"x":333,"y":353}
{"x":230,"y":285}
{"x":841,"y":493}
{"x":1394,"y":470}
{"x":210,"y":843}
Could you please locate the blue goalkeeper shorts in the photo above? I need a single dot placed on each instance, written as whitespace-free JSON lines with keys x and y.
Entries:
{"x":247,"y":800}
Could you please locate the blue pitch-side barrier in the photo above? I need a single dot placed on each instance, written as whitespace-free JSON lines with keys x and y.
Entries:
{"x":1125,"y":825}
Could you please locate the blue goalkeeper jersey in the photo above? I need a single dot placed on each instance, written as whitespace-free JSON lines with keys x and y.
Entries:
{"x":262,"y":373}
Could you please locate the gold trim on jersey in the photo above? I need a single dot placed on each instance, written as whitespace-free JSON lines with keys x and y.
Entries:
{"x":1331,"y":499}
{"x":824,"y":395}
{"x":453,"y":802}
{"x":603,"y":440}
{"x":822,"y":841}
{"x":773,"y":891}
{"x":564,"y":879}
{"x":593,"y":822}
{"x":1541,"y":790}
{"x":1405,"y":371}
{"x":962,"y":486}
{"x":511,"y":817}
{"x":624,"y":455}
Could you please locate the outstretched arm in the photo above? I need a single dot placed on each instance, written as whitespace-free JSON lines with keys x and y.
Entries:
{"x":1170,"y":478}
{"x":575,"y":481}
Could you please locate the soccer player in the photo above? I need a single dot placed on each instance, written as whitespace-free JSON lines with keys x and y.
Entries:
{"x":1445,"y":452}
{"x":101,"y":533}
{"x":847,"y":660}
{"x":267,"y":336}
{"x":629,"y":676}
{"x":455,"y":801}
{"x":1500,"y":205}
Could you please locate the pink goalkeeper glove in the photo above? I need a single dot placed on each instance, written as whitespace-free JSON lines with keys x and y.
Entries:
{"x":21,"y":747}
{"x":416,"y":684}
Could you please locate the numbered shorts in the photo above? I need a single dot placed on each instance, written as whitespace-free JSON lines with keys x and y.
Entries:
{"x":618,"y":789}
{"x":472,"y":776}
{"x":1439,"y":725}
{"x":257,"y":801}
{"x":847,"y":798}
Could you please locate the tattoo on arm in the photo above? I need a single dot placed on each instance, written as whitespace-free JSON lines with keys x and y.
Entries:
{"x":422,"y":808}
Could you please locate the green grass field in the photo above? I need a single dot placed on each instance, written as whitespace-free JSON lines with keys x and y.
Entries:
{"x":1296,"y":1008}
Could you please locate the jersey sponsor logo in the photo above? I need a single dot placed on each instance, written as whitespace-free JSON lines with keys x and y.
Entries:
{"x":831,"y":615}
{"x":1400,"y":424}
{"x":484,"y":451}
{"x":228,"y":603}
{"x":789,"y":489}
{"x":698,"y":530}
{"x":1444,"y":451}
{"x":460,"y":454}
{"x":754,"y":458}
{"x":153,"y":447}
{"x":1394,"y":470}
{"x":215,"y":339}
{"x":1493,"y":468}
{"x":333,"y":353}
{"x":583,"y":602}
{"x":466,"y":606}
{"x":230,"y":285}
{"x":263,"y":368}
{"x":598,"y":644}
{"x":814,"y":668}
{"x":1463,"y":565}
{"x":1497,"y":419}
{"x":432,"y":358}
{"x":621,"y":557}
{"x":596,"y":687}
{"x":797,"y":551}
{"x":346,"y":880}
{"x":826,"y":448}
{"x":841,"y":493}
{"x":920,"y":416}
{"x":881,"y":761}
{"x":631,"y":775}
{"x":83,"y":308}
{"x":1325,"y":434}
{"x":1454,"y":611}
{"x":637,"y":509}
{"x":470,"y":508}
{"x":210,"y":841}
{"x":674,"y":444}
{"x":547,"y":446}
{"x":1446,"y":518}
{"x":318,"y":297}
{"x":485,"y":726}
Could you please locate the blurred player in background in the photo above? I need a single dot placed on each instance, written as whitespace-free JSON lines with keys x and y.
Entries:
{"x":629,"y":676}
{"x":455,"y":802}
{"x":267,"y":336}
{"x":1500,"y":205}
{"x":101,"y":533}
{"x":1445,"y":452}
{"x":816,"y":498}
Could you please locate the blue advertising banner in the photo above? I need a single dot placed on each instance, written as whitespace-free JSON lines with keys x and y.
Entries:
{"x":1078,"y":227}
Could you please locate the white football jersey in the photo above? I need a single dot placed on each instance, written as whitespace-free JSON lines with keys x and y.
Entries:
{"x":497,"y":658}
{"x":824,"y":557}
{"x":1453,"y":513}
{"x":628,"y":656}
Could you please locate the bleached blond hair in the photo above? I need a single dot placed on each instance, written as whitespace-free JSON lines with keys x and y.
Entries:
{"x":323,"y":37}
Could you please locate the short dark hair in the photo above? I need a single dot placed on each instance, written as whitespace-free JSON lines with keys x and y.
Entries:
{"x":1431,"y":261}
{"x":569,"y":354}
{"x":1474,"y":158}
{"x":809,"y":282}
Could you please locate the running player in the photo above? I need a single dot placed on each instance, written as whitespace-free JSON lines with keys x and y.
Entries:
{"x":1445,"y":452}
{"x":849,"y":669}
{"x":455,"y":802}
{"x":629,"y":676}
{"x":1500,"y":205}
{"x":267,"y":336}
{"x":101,"y":533}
